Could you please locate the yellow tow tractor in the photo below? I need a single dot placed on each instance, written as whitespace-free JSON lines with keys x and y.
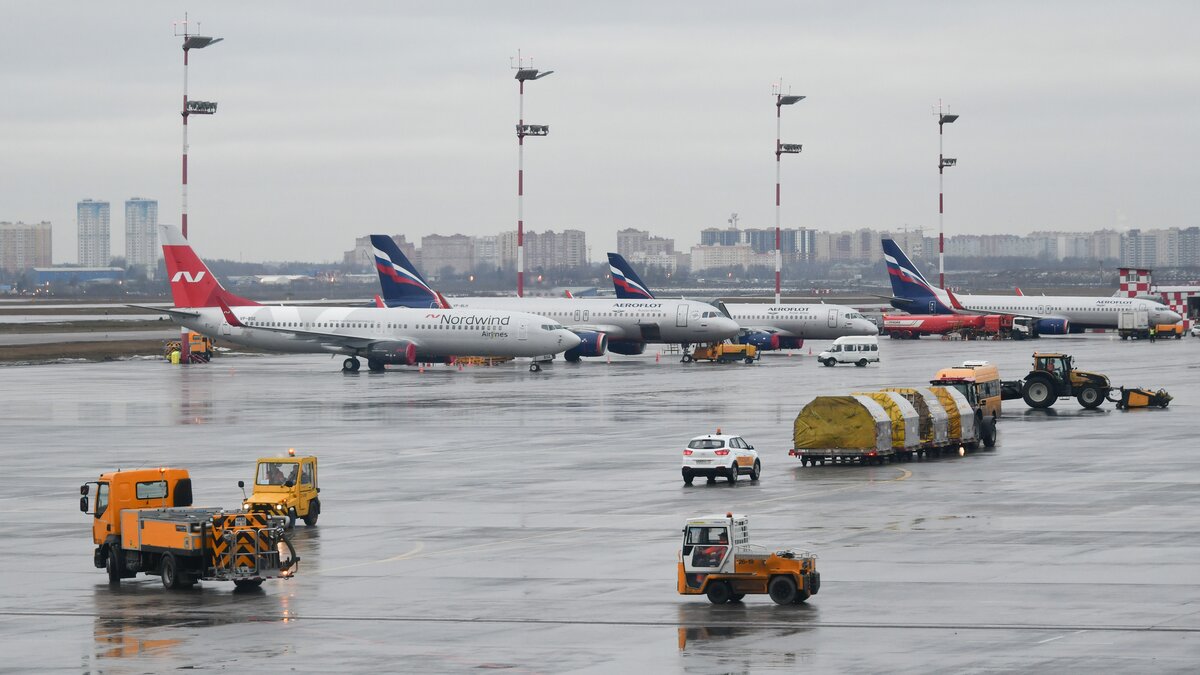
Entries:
{"x":200,"y":349}
{"x":723,"y":352}
{"x":285,"y":486}
{"x":144,"y":521}
{"x":718,"y":560}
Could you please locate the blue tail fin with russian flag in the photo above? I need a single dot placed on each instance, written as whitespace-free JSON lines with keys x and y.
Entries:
{"x":401,"y":283}
{"x":628,"y":284}
{"x":910,"y":290}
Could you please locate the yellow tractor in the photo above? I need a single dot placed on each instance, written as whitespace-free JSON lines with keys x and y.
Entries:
{"x":1054,"y":376}
{"x":717,"y":560}
{"x":285,"y":486}
{"x":723,"y":352}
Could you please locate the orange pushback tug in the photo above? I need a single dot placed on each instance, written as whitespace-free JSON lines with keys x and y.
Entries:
{"x":144,"y":521}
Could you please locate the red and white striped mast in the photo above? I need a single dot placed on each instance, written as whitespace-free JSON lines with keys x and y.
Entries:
{"x":524,"y":130}
{"x":190,"y":41}
{"x":781,"y":149}
{"x":943,"y":162}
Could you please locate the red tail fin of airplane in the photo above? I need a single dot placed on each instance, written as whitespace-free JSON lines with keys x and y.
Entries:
{"x":1019,"y":291}
{"x":442,"y":299}
{"x":192,"y":283}
{"x":954,"y":301}
{"x":379,"y":302}
{"x":569,"y":295}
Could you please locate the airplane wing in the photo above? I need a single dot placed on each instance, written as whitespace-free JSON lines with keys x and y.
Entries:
{"x":315,"y":336}
{"x":170,"y":311}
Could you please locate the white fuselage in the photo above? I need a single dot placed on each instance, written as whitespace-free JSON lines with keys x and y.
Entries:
{"x":435,"y":332}
{"x":655,"y":321}
{"x":809,"y":321}
{"x":1081,"y":312}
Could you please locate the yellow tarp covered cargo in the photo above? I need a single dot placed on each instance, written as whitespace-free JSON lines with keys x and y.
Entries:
{"x":962,"y":416}
{"x":854,"y":423}
{"x":935,"y":421}
{"x":906,"y":423}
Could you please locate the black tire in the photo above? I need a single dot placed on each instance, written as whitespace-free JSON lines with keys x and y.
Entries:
{"x":350,"y":365}
{"x":732,"y":474}
{"x":756,"y":471}
{"x":749,"y":360}
{"x":534,"y":368}
{"x":1038,"y":393}
{"x":247,"y":584}
{"x":114,"y":565}
{"x":801,"y":597}
{"x":375,"y":366}
{"x":572,"y":358}
{"x":1090,"y":397}
{"x":687,"y":358}
{"x":314,"y":512}
{"x":782,"y":590}
{"x":168,"y":570}
{"x":688,"y":476}
{"x":861,"y":363}
{"x":828,"y":363}
{"x":737,"y":597}
{"x":719,"y":592}
{"x":987,"y":432}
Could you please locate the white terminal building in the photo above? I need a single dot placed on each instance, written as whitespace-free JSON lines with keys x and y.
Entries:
{"x":141,"y":235}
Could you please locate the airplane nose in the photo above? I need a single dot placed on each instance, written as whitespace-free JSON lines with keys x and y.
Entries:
{"x":568,"y":340}
{"x":866,"y":327}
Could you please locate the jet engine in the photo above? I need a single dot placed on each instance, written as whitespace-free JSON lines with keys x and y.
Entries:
{"x":762,"y":340}
{"x":592,"y":343}
{"x":397,"y":352}
{"x":1052,"y":326}
{"x":626,"y":347}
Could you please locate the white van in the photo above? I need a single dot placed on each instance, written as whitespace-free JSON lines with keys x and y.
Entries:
{"x":857,"y":349}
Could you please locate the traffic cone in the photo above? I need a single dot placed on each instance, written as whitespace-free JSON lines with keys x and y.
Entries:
{"x":810,"y":351}
{"x":658,"y":357}
{"x":460,"y":367}
{"x":420,"y":369}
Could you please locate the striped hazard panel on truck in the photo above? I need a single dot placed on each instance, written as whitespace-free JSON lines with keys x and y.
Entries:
{"x":239,"y":540}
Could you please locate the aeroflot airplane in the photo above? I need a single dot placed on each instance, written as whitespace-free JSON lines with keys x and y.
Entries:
{"x":1054,"y":314}
{"x":782,"y":326}
{"x":382,"y":336}
{"x":620,"y":326}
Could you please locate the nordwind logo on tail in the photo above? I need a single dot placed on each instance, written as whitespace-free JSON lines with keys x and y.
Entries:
{"x":188,"y":277}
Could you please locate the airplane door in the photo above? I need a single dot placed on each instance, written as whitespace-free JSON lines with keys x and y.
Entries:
{"x":832,"y":321}
{"x":576,"y":315}
{"x":585,"y":314}
{"x":523,"y":330}
{"x":681,"y":313}
{"x":226,"y":329}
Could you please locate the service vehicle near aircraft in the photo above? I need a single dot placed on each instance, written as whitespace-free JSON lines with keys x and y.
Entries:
{"x":724,"y":352}
{"x":144,"y":521}
{"x":717,"y":559}
{"x":718,"y":454}
{"x":980,"y":382}
{"x":1054,"y":376}
{"x":857,"y":349}
{"x":285,"y":486}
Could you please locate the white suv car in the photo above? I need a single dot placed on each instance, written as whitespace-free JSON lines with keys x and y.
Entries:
{"x":719,"y":455}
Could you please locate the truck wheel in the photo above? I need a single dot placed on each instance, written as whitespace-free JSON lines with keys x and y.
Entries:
{"x":113,"y":565}
{"x":756,"y":471}
{"x":801,"y":597}
{"x":732,"y":475}
{"x":737,"y":597}
{"x":1038,"y":393}
{"x":828,"y":363}
{"x":782,"y":590}
{"x":291,"y":523}
{"x":719,"y":592}
{"x":246,"y":584}
{"x":987,"y":432}
{"x":1090,"y":397}
{"x":314,"y":510}
{"x":168,"y":569}
{"x":749,"y":360}
{"x":862,"y":363}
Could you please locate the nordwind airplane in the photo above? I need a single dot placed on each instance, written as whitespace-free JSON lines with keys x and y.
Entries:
{"x":381,"y":336}
{"x":766,"y":326}
{"x":619,"y":326}
{"x":1052,"y":314}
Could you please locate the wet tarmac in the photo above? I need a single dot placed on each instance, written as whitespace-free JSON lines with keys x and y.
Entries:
{"x":501,"y":519}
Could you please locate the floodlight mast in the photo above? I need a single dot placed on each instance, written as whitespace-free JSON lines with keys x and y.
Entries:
{"x":781,"y":149}
{"x":190,"y":41}
{"x":943,"y":162}
{"x":524,"y":74}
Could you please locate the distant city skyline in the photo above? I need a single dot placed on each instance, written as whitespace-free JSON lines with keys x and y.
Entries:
{"x":398,"y":117}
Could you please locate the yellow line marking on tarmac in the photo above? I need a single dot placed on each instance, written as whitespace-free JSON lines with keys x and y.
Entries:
{"x":417,"y":552}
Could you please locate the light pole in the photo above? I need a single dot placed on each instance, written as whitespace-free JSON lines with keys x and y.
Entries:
{"x":524,"y":74}
{"x":943,"y":162}
{"x":190,"y":41}
{"x":781,"y":149}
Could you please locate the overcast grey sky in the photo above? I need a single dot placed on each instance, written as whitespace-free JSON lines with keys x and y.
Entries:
{"x":341,"y":119}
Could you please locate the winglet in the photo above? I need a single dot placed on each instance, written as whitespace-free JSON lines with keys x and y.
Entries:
{"x":568,"y":293}
{"x":954,"y":301}
{"x":230,"y":317}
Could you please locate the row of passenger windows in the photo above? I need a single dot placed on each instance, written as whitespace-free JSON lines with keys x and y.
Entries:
{"x":376,"y":325}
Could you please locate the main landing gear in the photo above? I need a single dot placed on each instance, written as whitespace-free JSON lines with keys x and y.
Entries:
{"x":350,"y":365}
